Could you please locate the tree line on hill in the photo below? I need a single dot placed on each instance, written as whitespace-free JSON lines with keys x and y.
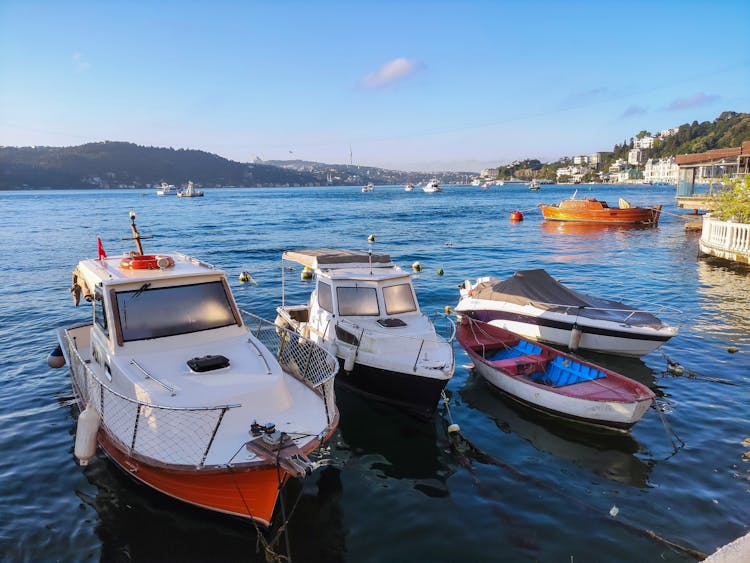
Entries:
{"x":728,"y":130}
{"x":118,"y":164}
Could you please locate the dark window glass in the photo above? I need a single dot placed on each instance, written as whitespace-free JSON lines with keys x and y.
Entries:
{"x":168,"y":311}
{"x":100,"y":313}
{"x":399,"y":299}
{"x":325,"y":297}
{"x":357,"y":301}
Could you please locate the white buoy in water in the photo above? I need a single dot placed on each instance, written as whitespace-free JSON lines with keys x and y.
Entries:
{"x":575,"y":338}
{"x":88,"y":426}
{"x":417,"y":267}
{"x":56,"y":358}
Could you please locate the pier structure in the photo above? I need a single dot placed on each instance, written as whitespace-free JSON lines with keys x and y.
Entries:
{"x":710,"y":165}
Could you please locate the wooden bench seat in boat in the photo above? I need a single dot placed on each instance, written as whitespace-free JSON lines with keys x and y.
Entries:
{"x":521,"y":365}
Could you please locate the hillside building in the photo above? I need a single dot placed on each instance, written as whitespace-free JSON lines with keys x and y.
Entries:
{"x":636,"y":156}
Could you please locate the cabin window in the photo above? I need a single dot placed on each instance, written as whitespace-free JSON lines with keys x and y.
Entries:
{"x":168,"y":311}
{"x":399,"y":299}
{"x":357,"y":301}
{"x":325,"y":297}
{"x":100,"y":313}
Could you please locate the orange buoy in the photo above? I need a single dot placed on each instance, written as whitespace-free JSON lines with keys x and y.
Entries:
{"x":516,"y":216}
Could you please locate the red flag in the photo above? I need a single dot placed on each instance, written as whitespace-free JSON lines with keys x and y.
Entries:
{"x":100,"y":248}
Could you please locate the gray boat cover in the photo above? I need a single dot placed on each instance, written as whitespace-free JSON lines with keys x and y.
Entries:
{"x":538,"y":288}
{"x":332,"y":258}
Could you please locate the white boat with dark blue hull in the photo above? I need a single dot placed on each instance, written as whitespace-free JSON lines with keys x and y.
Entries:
{"x":533,"y":304}
{"x":365,"y":311}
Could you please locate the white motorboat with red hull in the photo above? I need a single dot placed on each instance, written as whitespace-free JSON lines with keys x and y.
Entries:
{"x":365,"y":311}
{"x":552,"y":381}
{"x":535,"y":305}
{"x":207,"y":404}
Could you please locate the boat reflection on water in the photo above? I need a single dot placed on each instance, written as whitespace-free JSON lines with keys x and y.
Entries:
{"x":408,"y":445}
{"x":589,"y":230}
{"x":179,"y":532}
{"x":726,"y":287}
{"x":607,"y":454}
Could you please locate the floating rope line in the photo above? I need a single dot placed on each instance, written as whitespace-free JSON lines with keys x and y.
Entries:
{"x":467,"y":451}
{"x":677,"y":369}
{"x":662,"y":407}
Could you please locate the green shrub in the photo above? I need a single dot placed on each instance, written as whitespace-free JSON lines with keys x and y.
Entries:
{"x":732,"y":202}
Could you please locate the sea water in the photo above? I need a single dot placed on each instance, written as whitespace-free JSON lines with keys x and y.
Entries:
{"x":394,"y":489}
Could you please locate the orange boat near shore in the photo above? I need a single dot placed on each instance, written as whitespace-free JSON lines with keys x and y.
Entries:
{"x":592,"y":210}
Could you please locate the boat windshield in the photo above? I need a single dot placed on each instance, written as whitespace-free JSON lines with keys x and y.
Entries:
{"x":399,"y":299}
{"x":168,"y":311}
{"x":357,"y":301}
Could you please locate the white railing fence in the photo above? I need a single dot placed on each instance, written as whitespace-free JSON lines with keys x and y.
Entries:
{"x":725,"y":237}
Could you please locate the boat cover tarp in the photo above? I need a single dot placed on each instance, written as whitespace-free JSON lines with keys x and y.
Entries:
{"x":538,"y":288}
{"x":332,"y":258}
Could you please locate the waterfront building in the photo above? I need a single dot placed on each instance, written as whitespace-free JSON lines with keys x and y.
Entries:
{"x":489,"y":173}
{"x":661,"y":170}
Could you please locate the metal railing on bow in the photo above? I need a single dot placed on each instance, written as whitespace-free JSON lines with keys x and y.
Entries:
{"x":298,"y":356}
{"x":161,"y":434}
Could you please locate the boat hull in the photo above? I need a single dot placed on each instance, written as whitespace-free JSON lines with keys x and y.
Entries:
{"x":418,"y":395}
{"x":608,"y":400}
{"x":249,"y":492}
{"x":612,"y":415}
{"x":612,"y":215}
{"x":604,"y":339}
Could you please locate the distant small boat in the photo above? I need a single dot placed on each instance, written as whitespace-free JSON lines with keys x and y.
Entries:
{"x":166,"y":189}
{"x":486,"y":186}
{"x":534,"y":185}
{"x":433,"y":186}
{"x":597,"y":211}
{"x":551,"y":381}
{"x":409,"y":188}
{"x":368,"y":188}
{"x":190,"y":191}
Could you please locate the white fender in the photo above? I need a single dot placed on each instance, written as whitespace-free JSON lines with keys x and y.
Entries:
{"x":575,"y":338}
{"x":88,"y":426}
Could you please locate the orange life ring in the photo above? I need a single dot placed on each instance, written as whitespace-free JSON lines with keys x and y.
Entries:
{"x":146,"y":262}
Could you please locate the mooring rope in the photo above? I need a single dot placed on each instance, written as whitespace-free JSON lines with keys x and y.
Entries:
{"x":462,"y":446}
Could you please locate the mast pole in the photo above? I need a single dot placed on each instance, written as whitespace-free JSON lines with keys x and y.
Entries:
{"x":136,"y":234}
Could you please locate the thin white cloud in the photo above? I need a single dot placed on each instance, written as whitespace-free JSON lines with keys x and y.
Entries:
{"x":695,"y":101}
{"x":633,"y":111}
{"x":390,"y":73}
{"x":80,"y":64}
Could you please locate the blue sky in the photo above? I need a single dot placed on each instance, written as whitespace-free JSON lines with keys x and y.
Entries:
{"x":411,"y":85}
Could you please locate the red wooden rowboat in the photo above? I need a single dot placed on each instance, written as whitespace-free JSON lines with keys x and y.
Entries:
{"x":548,"y":380}
{"x":596,"y":211}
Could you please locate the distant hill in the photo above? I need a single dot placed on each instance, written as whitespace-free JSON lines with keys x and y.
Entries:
{"x":118,"y":164}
